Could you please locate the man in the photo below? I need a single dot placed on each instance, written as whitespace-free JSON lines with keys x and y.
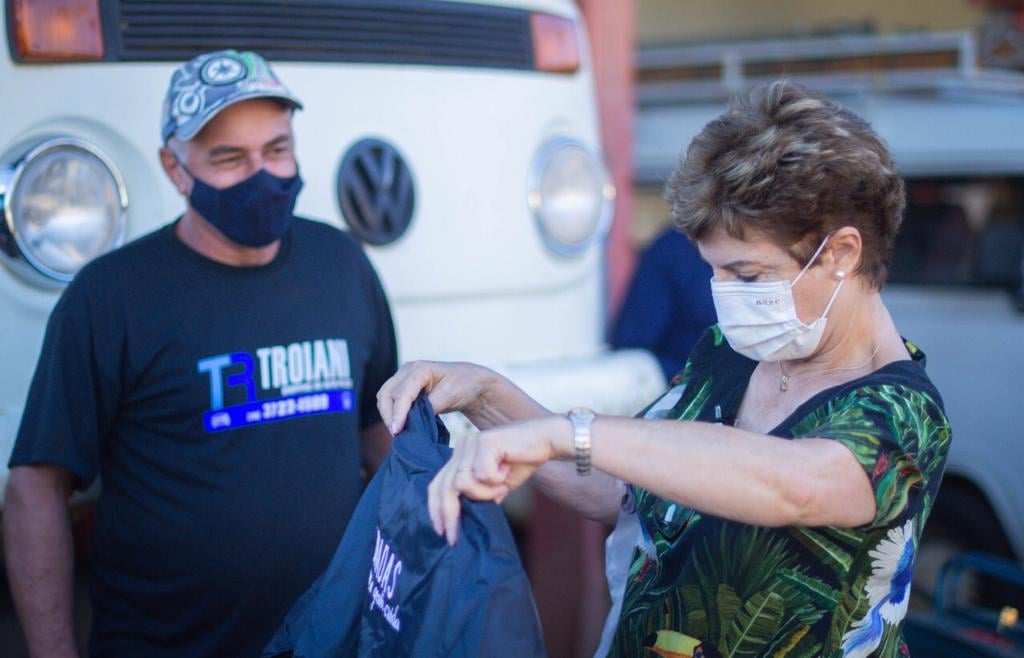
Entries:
{"x":219,"y":374}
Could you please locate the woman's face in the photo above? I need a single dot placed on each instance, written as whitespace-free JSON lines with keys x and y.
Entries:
{"x":756,"y":259}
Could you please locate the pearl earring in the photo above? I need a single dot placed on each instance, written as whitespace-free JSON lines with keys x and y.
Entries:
{"x":840,"y":275}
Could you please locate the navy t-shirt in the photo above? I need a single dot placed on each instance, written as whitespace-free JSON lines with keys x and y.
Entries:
{"x":222,"y":408}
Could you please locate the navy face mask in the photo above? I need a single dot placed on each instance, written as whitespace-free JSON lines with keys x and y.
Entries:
{"x":254,"y":212}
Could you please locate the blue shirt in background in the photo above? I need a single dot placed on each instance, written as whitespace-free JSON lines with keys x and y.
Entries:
{"x":668,"y":305}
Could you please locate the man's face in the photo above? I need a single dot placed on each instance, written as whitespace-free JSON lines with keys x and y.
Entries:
{"x":239,"y":141}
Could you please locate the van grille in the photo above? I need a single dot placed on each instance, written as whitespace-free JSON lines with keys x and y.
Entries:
{"x":371,"y":31}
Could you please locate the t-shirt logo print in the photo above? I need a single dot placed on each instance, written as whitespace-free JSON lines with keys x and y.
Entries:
{"x":299,"y":379}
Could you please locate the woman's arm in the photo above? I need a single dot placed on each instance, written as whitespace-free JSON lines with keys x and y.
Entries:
{"x":597,"y":497}
{"x":489,"y":401}
{"x":724,"y":471}
{"x":735,"y":474}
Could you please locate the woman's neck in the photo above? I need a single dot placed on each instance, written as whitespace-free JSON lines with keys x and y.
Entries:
{"x":855,"y":339}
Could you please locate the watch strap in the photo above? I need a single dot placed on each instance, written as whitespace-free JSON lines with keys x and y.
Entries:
{"x":582,"y":419}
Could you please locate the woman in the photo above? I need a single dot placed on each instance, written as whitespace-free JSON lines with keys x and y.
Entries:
{"x":782,"y":482}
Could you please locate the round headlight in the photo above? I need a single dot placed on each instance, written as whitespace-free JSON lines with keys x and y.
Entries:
{"x":64,"y":203}
{"x":570,"y":195}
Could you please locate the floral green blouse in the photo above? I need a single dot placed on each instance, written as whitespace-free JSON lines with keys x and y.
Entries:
{"x":704,"y":586}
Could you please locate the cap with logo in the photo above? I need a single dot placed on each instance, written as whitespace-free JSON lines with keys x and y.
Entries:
{"x":208,"y":83}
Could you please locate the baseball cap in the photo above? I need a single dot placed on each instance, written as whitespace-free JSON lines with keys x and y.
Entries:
{"x":208,"y":83}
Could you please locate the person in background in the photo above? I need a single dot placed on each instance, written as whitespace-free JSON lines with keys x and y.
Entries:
{"x":218,"y":374}
{"x":783,"y":481}
{"x":668,"y":306}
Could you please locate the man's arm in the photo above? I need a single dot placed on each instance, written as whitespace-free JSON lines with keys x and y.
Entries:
{"x":376,"y":443}
{"x":40,"y":557}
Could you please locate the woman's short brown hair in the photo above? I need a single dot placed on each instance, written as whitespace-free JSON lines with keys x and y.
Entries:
{"x":793,"y":166}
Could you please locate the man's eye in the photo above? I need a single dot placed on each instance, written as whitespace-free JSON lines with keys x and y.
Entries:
{"x":228,"y":162}
{"x":747,"y":279}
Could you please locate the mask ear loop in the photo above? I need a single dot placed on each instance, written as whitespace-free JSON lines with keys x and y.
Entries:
{"x":835,"y":293}
{"x":814,"y":257}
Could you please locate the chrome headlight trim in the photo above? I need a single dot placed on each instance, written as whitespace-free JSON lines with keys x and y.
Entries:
{"x":535,"y":178}
{"x":13,"y":166}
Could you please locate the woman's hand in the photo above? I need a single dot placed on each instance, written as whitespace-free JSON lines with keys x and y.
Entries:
{"x":484,"y":396}
{"x":449,"y":386}
{"x":488,"y":465}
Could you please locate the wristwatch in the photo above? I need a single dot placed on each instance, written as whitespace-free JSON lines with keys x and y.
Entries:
{"x":581,"y":419}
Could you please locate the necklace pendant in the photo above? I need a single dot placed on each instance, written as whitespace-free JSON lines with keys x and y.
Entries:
{"x":784,"y":383}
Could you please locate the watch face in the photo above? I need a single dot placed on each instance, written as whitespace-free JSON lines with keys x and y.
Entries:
{"x":581,"y":420}
{"x":581,"y":413}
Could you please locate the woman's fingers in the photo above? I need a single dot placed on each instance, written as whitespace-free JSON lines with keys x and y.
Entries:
{"x":443,"y":498}
{"x":385,"y":405}
{"x":450,"y":508}
{"x":396,"y":396}
{"x":449,"y":386}
{"x":487,"y":466}
{"x":386,"y":399}
{"x":433,"y":503}
{"x":459,"y":477}
{"x":404,"y":393}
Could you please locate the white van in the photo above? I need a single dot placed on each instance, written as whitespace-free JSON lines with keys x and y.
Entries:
{"x":955,"y":131}
{"x":458,"y":140}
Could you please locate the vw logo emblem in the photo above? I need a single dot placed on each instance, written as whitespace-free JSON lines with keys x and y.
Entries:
{"x":375,"y":191}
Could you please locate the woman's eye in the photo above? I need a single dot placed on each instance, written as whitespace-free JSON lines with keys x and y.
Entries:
{"x":747,"y":279}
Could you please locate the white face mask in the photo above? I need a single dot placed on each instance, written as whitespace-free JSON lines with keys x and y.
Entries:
{"x":759,"y":319}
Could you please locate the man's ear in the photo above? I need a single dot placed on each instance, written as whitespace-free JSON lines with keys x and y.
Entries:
{"x":175,"y":172}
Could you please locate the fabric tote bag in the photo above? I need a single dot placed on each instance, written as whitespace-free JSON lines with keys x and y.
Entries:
{"x":395,"y":588}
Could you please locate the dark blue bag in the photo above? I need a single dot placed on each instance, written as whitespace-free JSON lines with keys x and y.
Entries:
{"x":395,"y":588}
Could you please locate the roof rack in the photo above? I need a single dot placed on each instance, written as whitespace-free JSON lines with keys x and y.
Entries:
{"x":838,"y":65}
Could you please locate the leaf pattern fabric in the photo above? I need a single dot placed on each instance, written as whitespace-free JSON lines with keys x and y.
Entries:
{"x":721,"y":588}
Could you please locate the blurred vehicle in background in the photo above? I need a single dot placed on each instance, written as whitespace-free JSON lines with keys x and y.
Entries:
{"x":457,"y":140}
{"x":955,"y":628}
{"x":955,"y":129}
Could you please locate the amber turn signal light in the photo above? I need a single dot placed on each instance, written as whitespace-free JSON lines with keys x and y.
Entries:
{"x":556,"y":48}
{"x":57,"y":30}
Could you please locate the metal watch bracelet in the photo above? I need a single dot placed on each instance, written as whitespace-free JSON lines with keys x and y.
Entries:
{"x":581,"y":419}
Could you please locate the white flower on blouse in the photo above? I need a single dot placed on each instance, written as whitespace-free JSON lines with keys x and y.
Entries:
{"x":893,"y":563}
{"x":888,"y":591}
